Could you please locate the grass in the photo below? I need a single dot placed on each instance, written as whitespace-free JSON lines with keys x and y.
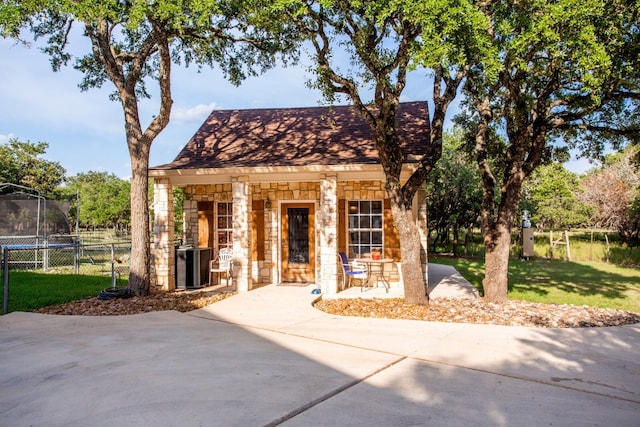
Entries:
{"x":29,"y":291}
{"x":538,"y":280}
{"x":585,"y":245}
{"x":595,"y":284}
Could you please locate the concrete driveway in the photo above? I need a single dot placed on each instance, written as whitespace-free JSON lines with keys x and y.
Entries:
{"x":267,"y":357}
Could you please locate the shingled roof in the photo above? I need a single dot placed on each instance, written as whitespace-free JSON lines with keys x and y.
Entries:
{"x":295,"y":137}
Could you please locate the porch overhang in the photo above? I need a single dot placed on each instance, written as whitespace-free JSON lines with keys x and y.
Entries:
{"x":345,"y":172}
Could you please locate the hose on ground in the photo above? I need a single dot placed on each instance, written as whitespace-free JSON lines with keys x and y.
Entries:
{"x":113,"y":293}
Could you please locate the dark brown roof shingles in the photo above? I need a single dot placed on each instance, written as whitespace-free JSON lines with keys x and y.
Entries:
{"x":295,"y":137}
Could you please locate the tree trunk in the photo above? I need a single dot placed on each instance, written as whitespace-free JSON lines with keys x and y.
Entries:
{"x":456,"y":239}
{"x":139,"y":274}
{"x":413,"y":277}
{"x":497,"y":239}
{"x":496,"y":277}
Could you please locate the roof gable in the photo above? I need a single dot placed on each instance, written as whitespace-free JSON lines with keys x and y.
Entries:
{"x":295,"y":137}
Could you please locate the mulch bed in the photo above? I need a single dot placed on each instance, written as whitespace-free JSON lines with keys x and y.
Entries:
{"x":178,"y":301}
{"x":458,"y":310}
{"x":512,"y":313}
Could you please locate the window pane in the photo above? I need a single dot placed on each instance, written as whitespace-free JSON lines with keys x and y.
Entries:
{"x":224,"y":224}
{"x":365,"y":226}
{"x":353,"y":251}
{"x":298,"y":235}
{"x":376,"y":222}
{"x":376,"y":238}
{"x":365,"y":222}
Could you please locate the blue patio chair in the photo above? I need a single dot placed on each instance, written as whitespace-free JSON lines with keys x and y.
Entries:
{"x":351,"y":271}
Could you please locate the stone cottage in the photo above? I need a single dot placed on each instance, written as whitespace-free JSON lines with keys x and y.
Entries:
{"x":286,"y":189}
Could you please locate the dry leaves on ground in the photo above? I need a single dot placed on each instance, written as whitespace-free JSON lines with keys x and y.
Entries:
{"x":458,"y":310}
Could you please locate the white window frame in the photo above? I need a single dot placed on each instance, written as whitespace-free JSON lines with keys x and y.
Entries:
{"x":364,"y":219}
{"x":226,"y":219}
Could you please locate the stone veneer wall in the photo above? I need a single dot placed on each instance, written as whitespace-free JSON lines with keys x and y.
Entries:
{"x":265,"y":271}
{"x":200,"y":193}
{"x":361,"y":190}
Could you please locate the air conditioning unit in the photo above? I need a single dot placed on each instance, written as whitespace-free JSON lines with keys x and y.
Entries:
{"x":192,"y":267}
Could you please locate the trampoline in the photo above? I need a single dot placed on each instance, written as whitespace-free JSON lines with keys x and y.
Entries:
{"x":46,"y":246}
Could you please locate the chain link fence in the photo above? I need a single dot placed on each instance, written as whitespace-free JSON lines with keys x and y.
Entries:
{"x":64,"y":256}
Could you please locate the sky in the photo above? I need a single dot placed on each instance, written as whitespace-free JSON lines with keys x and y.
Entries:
{"x":85,"y":130}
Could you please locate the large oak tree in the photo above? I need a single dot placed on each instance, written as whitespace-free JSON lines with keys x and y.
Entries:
{"x":134,"y":43}
{"x":568,"y":77}
{"x":382,"y":41}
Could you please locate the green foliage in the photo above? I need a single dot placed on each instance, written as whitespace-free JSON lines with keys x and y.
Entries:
{"x":551,"y":191}
{"x":454,"y":194}
{"x":178,"y":209}
{"x":104,"y":199}
{"x":568,"y":78}
{"x":136,"y":42}
{"x":21,"y":164}
{"x":239,"y":38}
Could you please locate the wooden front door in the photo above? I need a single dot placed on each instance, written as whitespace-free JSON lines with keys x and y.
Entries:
{"x":298,"y":242}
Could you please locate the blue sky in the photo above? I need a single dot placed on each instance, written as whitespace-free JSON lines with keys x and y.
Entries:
{"x":85,"y":130}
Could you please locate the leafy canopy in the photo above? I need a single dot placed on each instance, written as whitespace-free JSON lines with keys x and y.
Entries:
{"x":21,"y":163}
{"x":237,"y":36}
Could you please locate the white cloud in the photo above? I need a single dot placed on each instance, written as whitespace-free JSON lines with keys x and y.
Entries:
{"x":193,"y":114}
{"x":5,"y":138}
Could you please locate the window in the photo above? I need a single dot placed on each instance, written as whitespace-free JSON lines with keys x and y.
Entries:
{"x":224,"y":225}
{"x":365,"y":227}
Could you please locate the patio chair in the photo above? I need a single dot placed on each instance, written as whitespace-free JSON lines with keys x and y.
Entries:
{"x":351,"y":271}
{"x":222,"y":264}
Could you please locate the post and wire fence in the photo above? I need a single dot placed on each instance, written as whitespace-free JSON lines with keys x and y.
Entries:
{"x":110,"y":261}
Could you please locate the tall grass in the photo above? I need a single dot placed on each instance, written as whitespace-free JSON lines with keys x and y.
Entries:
{"x":584,"y":245}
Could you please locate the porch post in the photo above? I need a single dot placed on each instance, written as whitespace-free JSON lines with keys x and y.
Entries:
{"x":241,"y":233}
{"x":420,"y":209}
{"x":328,"y":225}
{"x":163,"y":247}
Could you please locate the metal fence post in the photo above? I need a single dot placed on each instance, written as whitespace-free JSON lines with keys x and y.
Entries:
{"x":76,"y":257}
{"x":5,"y":293}
{"x":113,"y":267}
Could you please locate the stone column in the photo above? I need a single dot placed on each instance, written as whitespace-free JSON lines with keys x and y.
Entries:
{"x":241,"y":233}
{"x":163,"y":247}
{"x":420,"y":208}
{"x":190,"y":219}
{"x":328,"y":227}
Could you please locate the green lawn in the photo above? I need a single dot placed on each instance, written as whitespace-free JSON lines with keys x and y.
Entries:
{"x":29,"y":291}
{"x":550,"y":281}
{"x":538,"y":280}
